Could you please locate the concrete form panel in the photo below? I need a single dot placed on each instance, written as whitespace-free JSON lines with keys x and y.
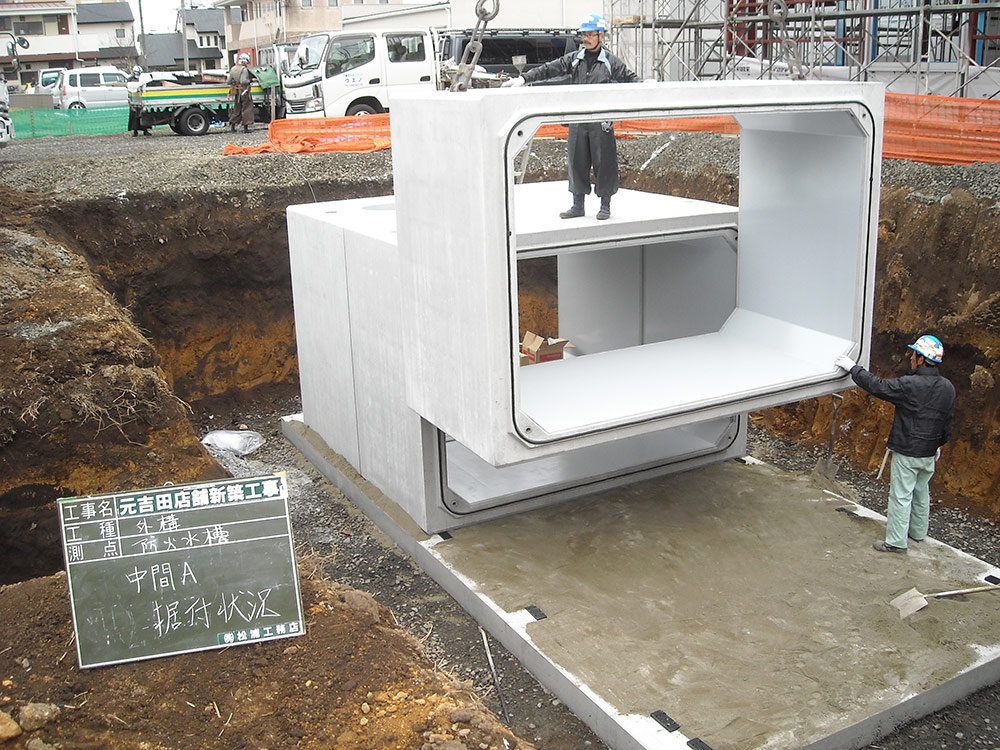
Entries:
{"x":600,"y":299}
{"x":322,"y":327}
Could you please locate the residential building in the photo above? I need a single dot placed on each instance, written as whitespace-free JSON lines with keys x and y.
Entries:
{"x":202,"y":30}
{"x":63,"y":34}
{"x":253,"y":24}
{"x":256,"y":24}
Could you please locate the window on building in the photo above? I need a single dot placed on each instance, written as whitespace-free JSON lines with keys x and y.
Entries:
{"x":5,"y":24}
{"x":119,"y":33}
{"x":307,"y":3}
{"x":29,"y":28}
{"x":332,"y":3}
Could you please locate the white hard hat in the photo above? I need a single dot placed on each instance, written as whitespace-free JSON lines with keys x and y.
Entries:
{"x":929,"y":347}
{"x":243,"y":58}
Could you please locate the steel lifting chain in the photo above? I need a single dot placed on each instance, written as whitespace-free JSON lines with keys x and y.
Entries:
{"x":474,"y":48}
{"x":778,"y":13}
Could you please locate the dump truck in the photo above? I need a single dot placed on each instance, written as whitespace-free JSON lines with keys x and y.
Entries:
{"x":190,"y":106}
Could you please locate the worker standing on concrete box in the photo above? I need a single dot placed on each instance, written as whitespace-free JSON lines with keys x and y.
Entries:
{"x":924,"y":402}
{"x":591,"y":144}
{"x":241,"y":111}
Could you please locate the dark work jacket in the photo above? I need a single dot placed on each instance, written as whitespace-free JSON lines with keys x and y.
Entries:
{"x":925,"y":408}
{"x":607,"y":69}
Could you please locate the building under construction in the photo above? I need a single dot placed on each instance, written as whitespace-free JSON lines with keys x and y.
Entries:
{"x":914,"y":47}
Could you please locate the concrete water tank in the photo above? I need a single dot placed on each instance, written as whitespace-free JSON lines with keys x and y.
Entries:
{"x":685,"y":314}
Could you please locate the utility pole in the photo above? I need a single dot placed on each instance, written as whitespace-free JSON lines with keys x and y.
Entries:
{"x":142,"y":38}
{"x":184,"y":41}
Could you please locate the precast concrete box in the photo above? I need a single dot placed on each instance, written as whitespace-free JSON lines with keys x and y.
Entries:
{"x":684,"y":314}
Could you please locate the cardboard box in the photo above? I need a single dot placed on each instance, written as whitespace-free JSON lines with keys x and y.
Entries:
{"x":538,"y":349}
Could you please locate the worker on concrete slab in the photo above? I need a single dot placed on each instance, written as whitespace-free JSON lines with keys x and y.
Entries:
{"x":591,"y":144}
{"x":240,"y":80}
{"x":924,"y":402}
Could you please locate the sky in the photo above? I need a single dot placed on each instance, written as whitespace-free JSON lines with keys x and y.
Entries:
{"x":159,"y":16}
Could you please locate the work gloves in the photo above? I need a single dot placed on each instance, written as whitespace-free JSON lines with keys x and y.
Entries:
{"x":512,"y":82}
{"x":845,"y":363}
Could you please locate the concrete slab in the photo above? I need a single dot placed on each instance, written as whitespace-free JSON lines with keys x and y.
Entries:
{"x":739,"y":600}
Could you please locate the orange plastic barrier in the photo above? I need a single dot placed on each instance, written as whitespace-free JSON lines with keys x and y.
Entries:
{"x":322,"y":134}
{"x":941,"y":129}
{"x":933,"y":129}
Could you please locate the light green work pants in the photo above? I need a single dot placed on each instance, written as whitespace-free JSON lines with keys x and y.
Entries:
{"x":909,"y":499}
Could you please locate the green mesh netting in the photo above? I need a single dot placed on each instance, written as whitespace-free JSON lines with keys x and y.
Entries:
{"x":36,"y":123}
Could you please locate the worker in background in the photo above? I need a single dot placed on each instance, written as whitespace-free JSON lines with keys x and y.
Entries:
{"x":591,"y":144}
{"x":241,"y":110}
{"x":132,"y":83}
{"x":924,"y":402}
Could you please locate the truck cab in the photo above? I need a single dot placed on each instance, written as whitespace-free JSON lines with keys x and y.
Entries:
{"x":351,"y":73}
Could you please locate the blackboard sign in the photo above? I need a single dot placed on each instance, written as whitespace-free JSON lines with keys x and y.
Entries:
{"x":180,"y":568}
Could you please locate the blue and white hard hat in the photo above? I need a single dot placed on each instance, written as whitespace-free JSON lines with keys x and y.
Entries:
{"x":593,"y":22}
{"x":930,"y":348}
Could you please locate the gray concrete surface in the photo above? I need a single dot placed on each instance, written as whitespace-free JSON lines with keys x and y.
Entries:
{"x":735,"y":598}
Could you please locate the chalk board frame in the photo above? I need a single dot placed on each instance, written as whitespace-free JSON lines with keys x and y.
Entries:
{"x":246,"y":586}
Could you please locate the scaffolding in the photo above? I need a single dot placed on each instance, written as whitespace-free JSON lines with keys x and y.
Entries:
{"x":913,"y":46}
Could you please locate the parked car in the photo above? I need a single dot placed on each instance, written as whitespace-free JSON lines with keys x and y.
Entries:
{"x":103,"y":86}
{"x":47,"y":80}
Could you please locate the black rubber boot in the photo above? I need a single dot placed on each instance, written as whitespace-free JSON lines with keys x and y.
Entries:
{"x":246,"y":128}
{"x":605,"y":212}
{"x":232,"y":127}
{"x":576,"y":210}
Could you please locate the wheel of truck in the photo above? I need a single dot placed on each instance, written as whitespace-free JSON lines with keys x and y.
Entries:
{"x":77,"y":105}
{"x":193,"y":122}
{"x":175,"y":128}
{"x":356,"y":110}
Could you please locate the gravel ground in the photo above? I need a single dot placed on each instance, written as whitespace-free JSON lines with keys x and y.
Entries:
{"x":118,"y":165}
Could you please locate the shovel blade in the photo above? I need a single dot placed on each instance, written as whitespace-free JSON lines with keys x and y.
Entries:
{"x":909,"y":602}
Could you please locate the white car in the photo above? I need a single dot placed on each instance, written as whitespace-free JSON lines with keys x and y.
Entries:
{"x":103,"y":86}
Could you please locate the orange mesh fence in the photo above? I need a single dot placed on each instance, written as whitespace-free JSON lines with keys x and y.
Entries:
{"x":941,"y":129}
{"x":322,"y":134}
{"x":933,"y":129}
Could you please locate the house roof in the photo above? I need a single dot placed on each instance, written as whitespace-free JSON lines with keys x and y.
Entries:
{"x":7,"y":9}
{"x":211,"y":20}
{"x":117,"y":53}
{"x":165,"y":50}
{"x":103,"y":13}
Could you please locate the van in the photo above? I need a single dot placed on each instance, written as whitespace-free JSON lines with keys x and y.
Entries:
{"x":102,"y":86}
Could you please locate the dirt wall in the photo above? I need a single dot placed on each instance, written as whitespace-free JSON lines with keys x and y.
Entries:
{"x":937,"y":272}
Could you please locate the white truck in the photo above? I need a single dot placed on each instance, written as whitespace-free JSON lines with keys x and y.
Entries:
{"x":341,"y":74}
{"x":338,"y":74}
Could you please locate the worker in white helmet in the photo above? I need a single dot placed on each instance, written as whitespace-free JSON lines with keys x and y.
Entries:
{"x":591,"y":144}
{"x":924,"y":402}
{"x":241,"y":109}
